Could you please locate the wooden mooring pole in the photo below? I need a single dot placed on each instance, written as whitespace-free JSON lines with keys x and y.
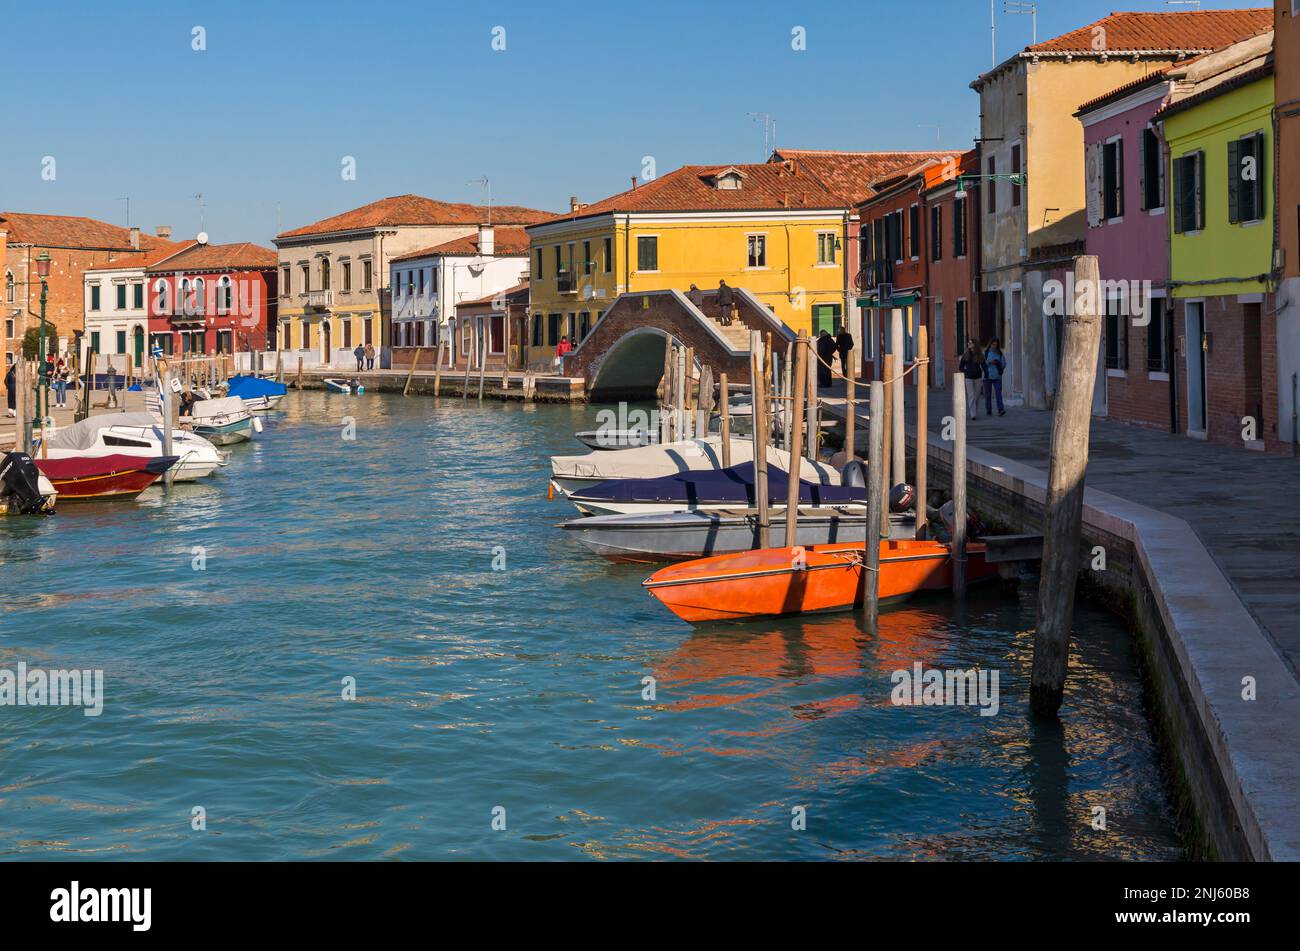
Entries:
{"x":850,"y":414}
{"x":724,"y":397}
{"x":1066,"y":473}
{"x":415,"y":362}
{"x":876,"y":506}
{"x":958,"y":485}
{"x":794,"y":431}
{"x":922,"y":426}
{"x":756,"y":366}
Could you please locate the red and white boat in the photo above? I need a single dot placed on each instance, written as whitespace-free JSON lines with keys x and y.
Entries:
{"x":768,"y":582}
{"x":86,"y":478}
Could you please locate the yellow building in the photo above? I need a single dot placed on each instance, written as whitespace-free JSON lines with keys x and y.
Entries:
{"x":773,"y":229}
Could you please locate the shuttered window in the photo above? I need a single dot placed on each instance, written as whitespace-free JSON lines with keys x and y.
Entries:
{"x":1112,"y":179}
{"x":959,"y":227}
{"x":936,"y":232}
{"x":914,"y":231}
{"x":1189,"y":193}
{"x":1153,"y":171}
{"x":647,"y":253}
{"x":991,"y":192}
{"x":1015,"y":170}
{"x":1116,"y":335}
{"x":1246,"y":178}
{"x":1156,"y":354}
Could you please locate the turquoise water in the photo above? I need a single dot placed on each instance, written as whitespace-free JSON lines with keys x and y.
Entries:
{"x":372,"y":558}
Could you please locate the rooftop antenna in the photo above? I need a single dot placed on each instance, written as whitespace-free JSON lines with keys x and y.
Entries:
{"x":1027,"y":8}
{"x":935,"y":127}
{"x":127,"y":199}
{"x":202,"y":218}
{"x":993,"y":31}
{"x":486,"y":185}
{"x":769,"y":131}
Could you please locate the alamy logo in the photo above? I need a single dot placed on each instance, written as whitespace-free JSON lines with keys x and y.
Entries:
{"x":52,"y":688}
{"x":103,"y":904}
{"x":946,"y":688}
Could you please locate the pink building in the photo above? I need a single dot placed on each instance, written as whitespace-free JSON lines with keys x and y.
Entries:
{"x":1128,"y":231}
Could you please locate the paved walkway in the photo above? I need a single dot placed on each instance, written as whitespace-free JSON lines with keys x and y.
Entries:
{"x":1243,"y":505}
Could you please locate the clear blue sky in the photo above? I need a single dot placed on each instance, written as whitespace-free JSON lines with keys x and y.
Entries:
{"x":416,"y":94}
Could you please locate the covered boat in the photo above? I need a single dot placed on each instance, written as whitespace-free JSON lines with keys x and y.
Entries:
{"x":606,"y":440}
{"x":134,"y":434}
{"x":675,"y":536}
{"x":86,"y":478}
{"x":707,"y":490}
{"x":259,"y":395}
{"x":223,"y":421}
{"x":570,"y":473}
{"x":776,"y":581}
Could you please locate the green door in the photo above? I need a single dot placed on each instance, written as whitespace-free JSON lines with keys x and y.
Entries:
{"x":139,"y":345}
{"x":826,"y":317}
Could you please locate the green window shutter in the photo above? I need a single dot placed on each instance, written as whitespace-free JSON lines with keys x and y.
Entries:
{"x":1234,"y":181}
{"x":1181,"y":198}
{"x":1198,"y":176}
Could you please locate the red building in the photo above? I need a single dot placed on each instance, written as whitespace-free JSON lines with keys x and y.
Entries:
{"x":894,"y":249}
{"x":213,"y":299}
{"x":952,"y":262}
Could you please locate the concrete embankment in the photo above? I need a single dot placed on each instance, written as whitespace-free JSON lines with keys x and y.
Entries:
{"x":1226,"y":704}
{"x":545,"y":389}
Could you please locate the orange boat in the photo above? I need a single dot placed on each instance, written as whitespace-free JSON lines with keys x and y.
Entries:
{"x":774,"y":581}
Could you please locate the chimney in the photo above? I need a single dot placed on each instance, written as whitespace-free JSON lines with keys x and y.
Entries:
{"x":487,"y":240}
{"x":574,"y":204}
{"x":164,"y":232}
{"x":135,"y":239}
{"x":633,"y":183}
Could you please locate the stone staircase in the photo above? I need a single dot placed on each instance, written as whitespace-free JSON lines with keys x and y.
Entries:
{"x":736,"y":335}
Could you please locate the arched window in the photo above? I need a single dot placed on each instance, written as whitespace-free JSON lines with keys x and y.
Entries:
{"x":225,"y":294}
{"x":200,"y":302}
{"x":324,"y":274}
{"x":9,"y":286}
{"x":183,"y":296}
{"x":160,"y":296}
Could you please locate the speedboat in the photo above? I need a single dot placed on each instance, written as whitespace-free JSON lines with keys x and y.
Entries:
{"x":221,"y":421}
{"x":135,"y":434}
{"x":260,"y":395}
{"x":337,"y":384}
{"x":611,"y":439}
{"x":708,"y":490}
{"x":777,"y":581}
{"x":677,"y":536}
{"x":24,"y":489}
{"x":90,"y":478}
{"x":572,"y":473}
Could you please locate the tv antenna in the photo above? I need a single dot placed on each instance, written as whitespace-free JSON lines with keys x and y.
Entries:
{"x":769,"y":132}
{"x":486,"y":184}
{"x":1027,"y":8}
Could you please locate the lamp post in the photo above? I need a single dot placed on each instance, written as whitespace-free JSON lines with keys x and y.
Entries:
{"x":43,"y":384}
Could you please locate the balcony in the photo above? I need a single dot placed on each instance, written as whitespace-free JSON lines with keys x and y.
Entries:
{"x":187,"y":313}
{"x":318,"y":300}
{"x":566,"y":283}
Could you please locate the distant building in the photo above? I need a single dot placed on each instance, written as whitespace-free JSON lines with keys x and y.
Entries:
{"x":117,"y":308}
{"x":73,"y":244}
{"x":210,"y":298}
{"x":499,"y":321}
{"x":334,"y":273}
{"x":430,"y":283}
{"x":1221,"y":146}
{"x":1035,"y":223}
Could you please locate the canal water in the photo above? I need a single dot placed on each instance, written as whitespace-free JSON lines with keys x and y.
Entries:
{"x":500,"y":678}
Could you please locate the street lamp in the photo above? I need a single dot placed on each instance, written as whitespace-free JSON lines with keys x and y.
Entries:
{"x":42,"y":390}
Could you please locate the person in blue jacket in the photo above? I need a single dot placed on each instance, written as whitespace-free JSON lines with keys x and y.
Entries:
{"x":995,"y":365}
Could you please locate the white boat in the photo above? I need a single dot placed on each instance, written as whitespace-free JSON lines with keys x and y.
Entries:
{"x":135,"y":434}
{"x":259,"y":395}
{"x":337,"y":384}
{"x":571,"y":473}
{"x":608,"y":440}
{"x":222,"y":421}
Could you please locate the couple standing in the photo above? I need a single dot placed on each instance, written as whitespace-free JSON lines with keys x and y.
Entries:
{"x":987,"y":368}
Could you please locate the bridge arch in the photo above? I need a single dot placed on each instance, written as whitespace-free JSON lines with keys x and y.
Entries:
{"x":630,"y":367}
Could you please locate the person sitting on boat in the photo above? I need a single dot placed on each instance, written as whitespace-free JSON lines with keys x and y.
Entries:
{"x":187,"y":404}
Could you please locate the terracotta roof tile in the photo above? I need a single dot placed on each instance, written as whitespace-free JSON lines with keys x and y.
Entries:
{"x":850,"y":174}
{"x":72,"y":231}
{"x":219,"y":257}
{"x":417,"y":210}
{"x":509,"y":242}
{"x":766,"y":186}
{"x":512,"y":294}
{"x":141,"y":259}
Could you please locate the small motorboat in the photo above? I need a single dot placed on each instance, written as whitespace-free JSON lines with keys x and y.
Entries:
{"x":260,"y":395}
{"x":707,"y":490}
{"x":678,"y":536}
{"x":605,"y":440}
{"x":24,"y":489}
{"x":91,"y":478}
{"x":571,"y":473}
{"x":336,"y":384}
{"x":222,"y":421}
{"x":775,"y":581}
{"x":135,"y":434}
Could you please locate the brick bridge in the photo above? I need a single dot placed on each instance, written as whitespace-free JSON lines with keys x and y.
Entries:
{"x":623,"y":356}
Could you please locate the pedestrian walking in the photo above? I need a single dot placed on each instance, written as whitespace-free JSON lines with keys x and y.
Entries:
{"x":61,"y":384}
{"x":695,"y":296}
{"x":825,"y":359}
{"x":995,"y":365}
{"x":726,"y":303}
{"x":844,"y":344}
{"x":370,"y":356}
{"x":360,"y":354}
{"x":972,"y":368}
{"x":112,"y":385}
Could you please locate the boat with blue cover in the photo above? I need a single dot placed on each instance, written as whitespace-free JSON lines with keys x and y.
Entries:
{"x":260,"y":395}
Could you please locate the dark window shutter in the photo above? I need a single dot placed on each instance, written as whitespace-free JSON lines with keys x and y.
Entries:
{"x":1119,"y":178}
{"x":1198,"y":176}
{"x":1234,"y":181}
{"x":1142,"y":169}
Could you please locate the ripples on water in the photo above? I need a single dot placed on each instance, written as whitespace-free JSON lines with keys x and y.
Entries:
{"x":372,"y":559}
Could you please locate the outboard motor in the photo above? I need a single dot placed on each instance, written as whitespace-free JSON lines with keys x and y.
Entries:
{"x":20,"y":484}
{"x":901,"y":497}
{"x":854,"y":474}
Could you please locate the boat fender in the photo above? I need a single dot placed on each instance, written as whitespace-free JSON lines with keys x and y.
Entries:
{"x":257,"y":424}
{"x":854,"y":475}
